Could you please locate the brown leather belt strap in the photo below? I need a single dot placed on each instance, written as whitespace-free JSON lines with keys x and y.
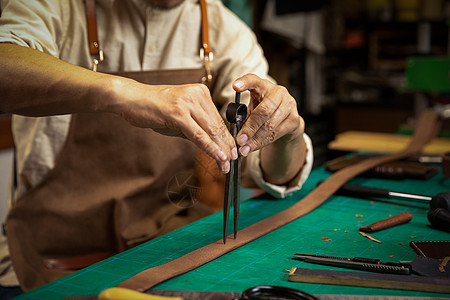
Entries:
{"x":205,"y":31}
{"x":426,"y":129}
{"x":94,"y":45}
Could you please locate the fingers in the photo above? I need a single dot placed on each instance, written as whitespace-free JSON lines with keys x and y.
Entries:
{"x":179,"y":110}
{"x":252,"y":82}
{"x":195,"y":133}
{"x":215,"y":126}
{"x":273,"y":114}
{"x":201,"y":123}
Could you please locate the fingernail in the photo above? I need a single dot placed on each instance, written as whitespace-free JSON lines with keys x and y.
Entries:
{"x":222,"y":155}
{"x":245,"y":150}
{"x":239,"y":84}
{"x":242,"y":139}
{"x":234,"y":153}
{"x":226,"y":167}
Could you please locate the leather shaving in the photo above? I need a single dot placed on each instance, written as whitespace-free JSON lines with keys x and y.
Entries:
{"x":369,"y":237}
{"x":443,"y":264}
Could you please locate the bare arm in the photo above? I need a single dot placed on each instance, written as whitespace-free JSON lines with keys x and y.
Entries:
{"x":37,"y":84}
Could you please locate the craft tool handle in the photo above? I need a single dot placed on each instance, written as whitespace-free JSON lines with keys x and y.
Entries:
{"x":361,"y":191}
{"x":117,"y":293}
{"x":388,"y":223}
{"x":364,"y":191}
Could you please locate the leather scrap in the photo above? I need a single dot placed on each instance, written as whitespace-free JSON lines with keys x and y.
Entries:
{"x":433,"y":249}
{"x":401,"y":218}
{"x":429,"y":267}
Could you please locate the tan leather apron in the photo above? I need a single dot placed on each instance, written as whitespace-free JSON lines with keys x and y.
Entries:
{"x":113,"y":186}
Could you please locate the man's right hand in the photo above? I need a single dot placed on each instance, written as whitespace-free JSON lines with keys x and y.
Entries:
{"x":177,"y":110}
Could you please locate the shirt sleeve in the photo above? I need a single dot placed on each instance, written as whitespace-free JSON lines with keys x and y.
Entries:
{"x":254,"y":170}
{"x":35,"y":24}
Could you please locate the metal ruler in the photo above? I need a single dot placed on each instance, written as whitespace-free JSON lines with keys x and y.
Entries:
{"x":196,"y":295}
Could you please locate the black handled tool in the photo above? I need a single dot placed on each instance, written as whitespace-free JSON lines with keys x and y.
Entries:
{"x":360,"y":263}
{"x":236,"y":114}
{"x":439,"y":214}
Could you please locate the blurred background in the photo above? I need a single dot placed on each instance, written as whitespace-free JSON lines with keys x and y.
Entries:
{"x":370,"y":65}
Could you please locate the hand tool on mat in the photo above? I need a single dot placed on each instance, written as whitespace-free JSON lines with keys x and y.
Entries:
{"x":439,"y":214}
{"x":116,"y":293}
{"x":374,"y":280}
{"x":236,"y":114}
{"x":360,"y":263}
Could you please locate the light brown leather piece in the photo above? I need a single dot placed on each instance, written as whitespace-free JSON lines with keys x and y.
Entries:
{"x":388,"y":223}
{"x":76,"y":262}
{"x":426,"y":129}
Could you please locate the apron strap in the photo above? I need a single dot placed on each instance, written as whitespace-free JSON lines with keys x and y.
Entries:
{"x":94,"y":45}
{"x":97,"y":54}
{"x":205,"y":50}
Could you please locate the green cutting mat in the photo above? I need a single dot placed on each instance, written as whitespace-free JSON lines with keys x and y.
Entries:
{"x":331,"y":229}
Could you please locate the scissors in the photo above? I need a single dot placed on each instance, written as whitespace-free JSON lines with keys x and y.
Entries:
{"x":236,"y":114}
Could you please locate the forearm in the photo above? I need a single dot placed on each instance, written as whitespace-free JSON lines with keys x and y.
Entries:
{"x":282,"y":160}
{"x":37,"y":84}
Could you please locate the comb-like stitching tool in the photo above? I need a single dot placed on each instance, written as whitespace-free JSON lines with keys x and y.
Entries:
{"x":360,"y":263}
{"x":236,"y":114}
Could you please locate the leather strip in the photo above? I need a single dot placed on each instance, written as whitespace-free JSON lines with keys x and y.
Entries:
{"x":94,"y":46}
{"x":426,"y":129}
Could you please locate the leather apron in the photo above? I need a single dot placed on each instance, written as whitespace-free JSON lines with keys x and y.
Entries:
{"x":113,"y":186}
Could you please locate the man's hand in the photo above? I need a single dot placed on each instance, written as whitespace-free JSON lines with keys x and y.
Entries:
{"x":273,"y":120}
{"x":179,"y":110}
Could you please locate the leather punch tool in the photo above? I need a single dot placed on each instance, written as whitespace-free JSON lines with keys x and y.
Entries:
{"x":236,"y":113}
